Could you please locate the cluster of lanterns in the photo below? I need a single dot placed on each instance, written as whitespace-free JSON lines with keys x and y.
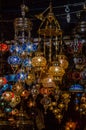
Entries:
{"x":36,"y":71}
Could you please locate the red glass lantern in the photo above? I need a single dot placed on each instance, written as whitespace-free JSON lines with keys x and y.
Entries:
{"x":3,"y":80}
{"x":3,"y":47}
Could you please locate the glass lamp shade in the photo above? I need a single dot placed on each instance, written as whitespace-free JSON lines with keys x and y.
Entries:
{"x":3,"y":47}
{"x":29,"y":47}
{"x":70,"y":125}
{"x":16,"y":48}
{"x":27,"y":62}
{"x":30,"y":79}
{"x":48,"y":82}
{"x":76,"y":88}
{"x":21,"y":76}
{"x":25,"y":94}
{"x":14,"y":60}
{"x":39,"y":62}
{"x":34,"y":47}
{"x":63,"y":61}
{"x":56,"y":70}
{"x":12,"y":48}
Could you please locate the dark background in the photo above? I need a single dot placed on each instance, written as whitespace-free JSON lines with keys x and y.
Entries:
{"x":9,"y":10}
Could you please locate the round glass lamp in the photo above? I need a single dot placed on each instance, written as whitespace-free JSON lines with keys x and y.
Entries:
{"x":56,"y":71}
{"x":39,"y":62}
{"x":63,"y":61}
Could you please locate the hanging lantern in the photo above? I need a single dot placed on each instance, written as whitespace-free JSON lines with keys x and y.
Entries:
{"x":14,"y":60}
{"x":21,"y":76}
{"x":18,"y":49}
{"x":48,"y":82}
{"x":39,"y":62}
{"x":25,"y":94}
{"x":71,"y":125}
{"x":76,"y":88}
{"x":30,"y":79}
{"x":3,"y":47}
{"x":27,"y":62}
{"x":63,"y":61}
{"x":56,"y":71}
{"x":59,"y":116}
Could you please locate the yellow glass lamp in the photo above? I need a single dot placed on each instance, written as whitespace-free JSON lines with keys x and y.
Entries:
{"x":39,"y":62}
{"x":63,"y":61}
{"x":48,"y":82}
{"x":30,"y":79}
{"x":56,"y":71}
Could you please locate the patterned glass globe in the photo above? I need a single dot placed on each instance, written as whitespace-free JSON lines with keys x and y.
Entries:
{"x":39,"y":62}
{"x":56,"y":70}
{"x":48,"y":82}
{"x":14,"y":60}
{"x":63,"y":61}
{"x":21,"y":76}
{"x":76,"y":88}
{"x":27,"y":62}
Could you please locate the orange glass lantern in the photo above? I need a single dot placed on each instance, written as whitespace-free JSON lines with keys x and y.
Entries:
{"x":71,"y":125}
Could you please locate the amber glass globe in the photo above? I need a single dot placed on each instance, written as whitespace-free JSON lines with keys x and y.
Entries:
{"x":39,"y":62}
{"x":56,"y":70}
{"x":63,"y":61}
{"x":48,"y":82}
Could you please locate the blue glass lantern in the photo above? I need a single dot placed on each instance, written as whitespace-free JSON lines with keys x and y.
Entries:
{"x":24,"y":46}
{"x":8,"y":109}
{"x":76,"y":88}
{"x":34,"y":47}
{"x":18,"y":49}
{"x":12,"y":48}
{"x":14,"y":60}
{"x":21,"y":76}
{"x":27,"y":62}
{"x":11,"y":78}
{"x":6,"y":86}
{"x":29,"y":47}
